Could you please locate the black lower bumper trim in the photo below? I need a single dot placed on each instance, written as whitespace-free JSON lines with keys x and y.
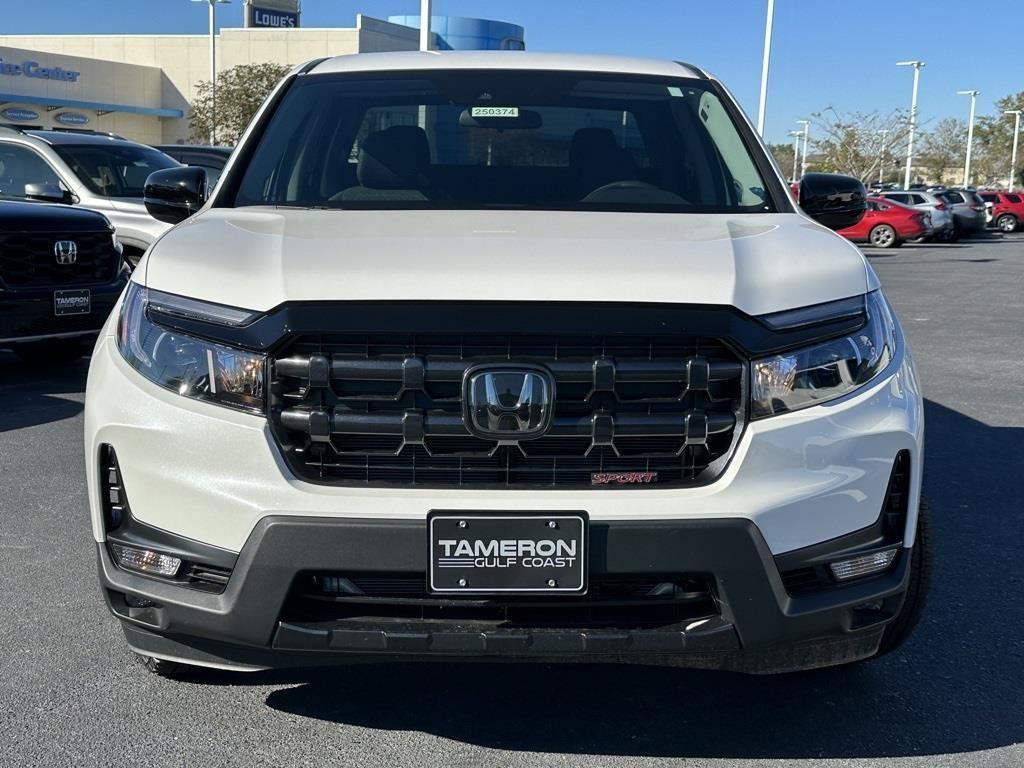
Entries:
{"x":710,"y":634}
{"x":820,"y":652}
{"x":756,"y":626}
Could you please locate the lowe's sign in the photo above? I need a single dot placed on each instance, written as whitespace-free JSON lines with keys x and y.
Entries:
{"x":272,"y":17}
{"x":34,"y":69}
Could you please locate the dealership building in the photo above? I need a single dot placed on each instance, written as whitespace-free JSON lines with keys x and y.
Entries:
{"x":140,"y":86}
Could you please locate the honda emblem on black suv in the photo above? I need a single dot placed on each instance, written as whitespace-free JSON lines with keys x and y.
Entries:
{"x":508,"y":403}
{"x":66,"y":251}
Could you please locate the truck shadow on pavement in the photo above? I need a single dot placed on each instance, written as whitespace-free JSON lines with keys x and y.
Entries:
{"x":955,"y":687}
{"x":29,"y":398}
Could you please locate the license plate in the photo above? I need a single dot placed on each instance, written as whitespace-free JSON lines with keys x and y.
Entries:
{"x":76,"y":302}
{"x":507,"y":553}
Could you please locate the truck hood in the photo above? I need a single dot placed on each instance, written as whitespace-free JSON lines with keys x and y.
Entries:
{"x":257,"y":258}
{"x":45,"y":218}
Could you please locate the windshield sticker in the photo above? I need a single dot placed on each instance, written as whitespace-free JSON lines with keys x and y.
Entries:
{"x":494,"y":112}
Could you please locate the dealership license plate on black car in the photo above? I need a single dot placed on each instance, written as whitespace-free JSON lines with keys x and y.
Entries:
{"x":76,"y":302}
{"x":505,"y":553}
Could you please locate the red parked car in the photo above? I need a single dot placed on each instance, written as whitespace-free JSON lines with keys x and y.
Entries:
{"x":887,"y":224}
{"x":1007,"y":209}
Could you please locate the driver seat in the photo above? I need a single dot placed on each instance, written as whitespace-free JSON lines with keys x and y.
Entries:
{"x":596,"y":159}
{"x":392,"y":165}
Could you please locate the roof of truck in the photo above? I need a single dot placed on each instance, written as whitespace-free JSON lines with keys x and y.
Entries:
{"x":570,"y":62}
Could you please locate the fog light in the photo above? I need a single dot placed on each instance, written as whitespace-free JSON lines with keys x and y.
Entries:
{"x":864,"y":565}
{"x":145,"y":560}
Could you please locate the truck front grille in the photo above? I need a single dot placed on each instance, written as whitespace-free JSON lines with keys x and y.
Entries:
{"x":366,"y":409}
{"x":27,"y":260}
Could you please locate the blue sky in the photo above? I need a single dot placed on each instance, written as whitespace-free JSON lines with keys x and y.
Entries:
{"x":826,"y":52}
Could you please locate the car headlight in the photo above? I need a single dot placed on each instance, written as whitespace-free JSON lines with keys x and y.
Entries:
{"x":831,"y":369}
{"x":190,"y":366}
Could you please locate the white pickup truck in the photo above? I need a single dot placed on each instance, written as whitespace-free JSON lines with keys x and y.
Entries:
{"x":503,"y":354}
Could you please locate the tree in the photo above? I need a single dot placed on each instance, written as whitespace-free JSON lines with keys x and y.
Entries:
{"x":993,"y":143}
{"x":942,"y":150}
{"x":783,"y":154}
{"x":240,"y":92}
{"x":855,"y":143}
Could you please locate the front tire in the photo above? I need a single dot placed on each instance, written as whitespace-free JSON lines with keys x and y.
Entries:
{"x":883,"y":236}
{"x":921,"y":564}
{"x":164,"y":668}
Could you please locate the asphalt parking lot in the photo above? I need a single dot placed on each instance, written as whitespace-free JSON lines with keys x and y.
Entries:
{"x":71,"y":694}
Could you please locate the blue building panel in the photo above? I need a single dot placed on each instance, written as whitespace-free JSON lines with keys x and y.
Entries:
{"x":460,"y":33}
{"x":58,"y":101}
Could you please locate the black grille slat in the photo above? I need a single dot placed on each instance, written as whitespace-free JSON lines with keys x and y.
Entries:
{"x":413,"y":586}
{"x":451,"y":424}
{"x":386,"y":409}
{"x":612,"y":600}
{"x":28,"y":260}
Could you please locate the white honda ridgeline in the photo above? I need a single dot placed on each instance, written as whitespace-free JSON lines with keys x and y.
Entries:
{"x":478,"y":355}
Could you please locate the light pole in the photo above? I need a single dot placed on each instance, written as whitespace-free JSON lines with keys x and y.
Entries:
{"x":807,"y":133}
{"x":913,"y":117}
{"x":765,"y":59}
{"x":424,"y":25}
{"x":796,"y":151}
{"x":1013,"y":154}
{"x":213,"y":65}
{"x":970,"y":135}
{"x":881,"y":156}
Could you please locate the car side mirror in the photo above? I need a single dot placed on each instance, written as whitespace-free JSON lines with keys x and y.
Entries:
{"x":834,"y":201}
{"x":48,"y":192}
{"x":174,"y":194}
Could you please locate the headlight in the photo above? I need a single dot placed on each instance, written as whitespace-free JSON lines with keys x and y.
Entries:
{"x":823,"y":372}
{"x":188,"y":365}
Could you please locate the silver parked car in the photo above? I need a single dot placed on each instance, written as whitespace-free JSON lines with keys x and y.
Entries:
{"x":941,"y":211}
{"x":968,"y":209}
{"x":89,"y":170}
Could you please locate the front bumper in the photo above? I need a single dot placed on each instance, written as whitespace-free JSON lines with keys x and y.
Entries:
{"x":799,"y":487}
{"x":752,"y":625}
{"x":27,"y":315}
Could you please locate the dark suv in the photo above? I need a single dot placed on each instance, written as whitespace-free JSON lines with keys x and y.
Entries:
{"x":61,"y":271}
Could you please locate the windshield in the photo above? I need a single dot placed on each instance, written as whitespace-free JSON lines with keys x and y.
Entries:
{"x":117,"y":170}
{"x":503,"y":139}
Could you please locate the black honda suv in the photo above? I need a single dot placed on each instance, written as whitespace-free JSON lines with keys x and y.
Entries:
{"x":61,"y":271}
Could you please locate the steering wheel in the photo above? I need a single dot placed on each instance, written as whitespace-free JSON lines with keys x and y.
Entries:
{"x":624,"y":184}
{"x":641,"y":190}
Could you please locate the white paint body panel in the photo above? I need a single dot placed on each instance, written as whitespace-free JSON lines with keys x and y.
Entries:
{"x":568,"y":62}
{"x":258,"y":258}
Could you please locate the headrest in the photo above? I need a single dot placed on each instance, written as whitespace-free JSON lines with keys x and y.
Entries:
{"x":589,"y":144}
{"x":596,"y":159}
{"x":395,"y":158}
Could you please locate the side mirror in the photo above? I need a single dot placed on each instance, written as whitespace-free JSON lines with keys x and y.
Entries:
{"x":835,"y":201}
{"x":174,"y":194}
{"x":48,"y":192}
